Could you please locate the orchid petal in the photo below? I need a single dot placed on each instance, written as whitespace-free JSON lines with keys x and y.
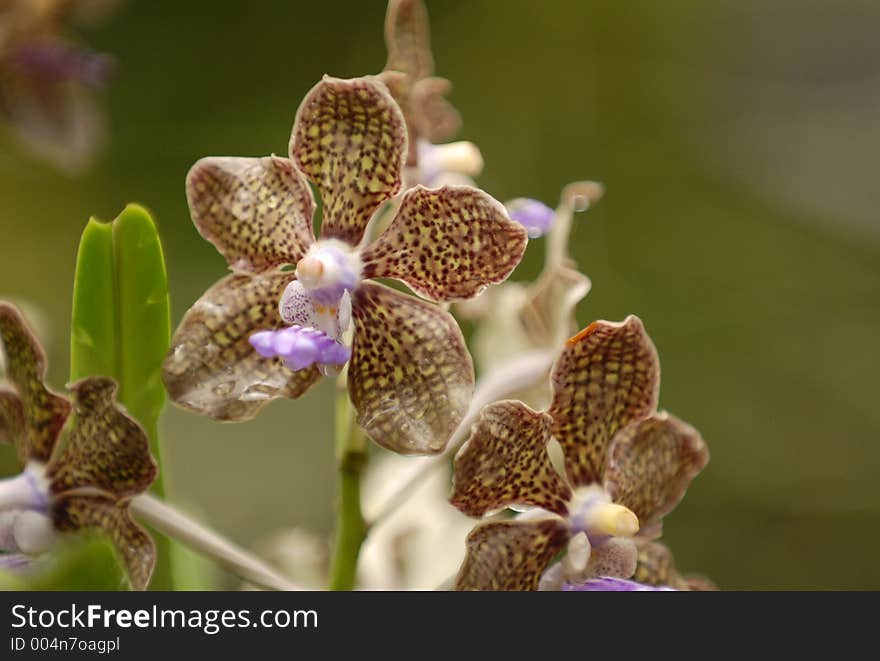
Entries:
{"x":510,"y":555}
{"x":256,"y":211}
{"x":408,"y":38}
{"x":505,"y":462}
{"x":103,"y":447}
{"x":349,"y":139}
{"x":212,"y":367}
{"x":103,"y":513}
{"x":447,"y":243}
{"x":410,"y":377}
{"x":43,"y":411}
{"x":651,"y":463}
{"x":607,"y":376}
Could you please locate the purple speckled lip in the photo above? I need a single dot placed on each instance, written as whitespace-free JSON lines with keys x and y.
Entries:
{"x":609,"y":584}
{"x":535,"y":216}
{"x":300,"y":347}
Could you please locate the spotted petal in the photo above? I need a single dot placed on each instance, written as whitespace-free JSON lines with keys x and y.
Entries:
{"x":607,"y":377}
{"x":410,"y":377}
{"x":447,"y":243}
{"x":103,"y":447}
{"x":12,"y":428}
{"x":43,"y":411}
{"x":651,"y":463}
{"x":505,"y":462}
{"x":510,"y":555}
{"x":656,"y":566}
{"x":349,"y":139}
{"x":408,"y":38}
{"x":212,"y":367}
{"x":256,"y":211}
{"x":101,"y":512}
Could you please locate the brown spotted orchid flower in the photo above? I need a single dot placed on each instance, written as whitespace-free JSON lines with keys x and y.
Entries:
{"x":430,"y":118}
{"x":266,"y":331}
{"x":47,"y":83}
{"x":84,"y":459}
{"x":625,"y":467}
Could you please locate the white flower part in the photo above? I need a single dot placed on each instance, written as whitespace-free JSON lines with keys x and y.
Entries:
{"x":299,"y":307}
{"x":419,"y":545}
{"x":592,"y":511}
{"x":578,"y":554}
{"x":453,"y":163}
{"x":329,"y":268}
{"x":29,"y":490}
{"x":34,"y":532}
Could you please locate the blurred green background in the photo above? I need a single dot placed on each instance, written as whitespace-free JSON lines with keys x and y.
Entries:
{"x":738,"y":144}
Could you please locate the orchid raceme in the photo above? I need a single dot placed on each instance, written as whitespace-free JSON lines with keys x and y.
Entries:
{"x":85,"y":458}
{"x":625,"y":467}
{"x":430,"y":118}
{"x":264,"y":332}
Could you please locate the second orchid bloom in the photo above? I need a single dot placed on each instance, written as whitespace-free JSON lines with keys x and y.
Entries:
{"x":268,"y":330}
{"x":625,"y":467}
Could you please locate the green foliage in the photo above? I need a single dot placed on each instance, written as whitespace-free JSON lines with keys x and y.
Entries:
{"x":121,"y":324}
{"x":121,"y":321}
{"x":82,"y":563}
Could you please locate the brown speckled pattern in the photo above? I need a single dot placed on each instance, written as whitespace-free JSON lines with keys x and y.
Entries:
{"x":651,"y":463}
{"x":607,"y":376}
{"x":103,"y":447}
{"x":505,"y":462}
{"x":447,"y":243}
{"x":656,"y":566}
{"x":349,"y":139}
{"x":44,"y":412}
{"x":100,"y":512}
{"x":410,"y":377}
{"x":510,"y":555}
{"x":256,"y":211}
{"x":211,"y":367}
{"x":12,"y":429}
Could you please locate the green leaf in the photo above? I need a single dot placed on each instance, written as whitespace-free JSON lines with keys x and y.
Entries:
{"x":121,"y":323}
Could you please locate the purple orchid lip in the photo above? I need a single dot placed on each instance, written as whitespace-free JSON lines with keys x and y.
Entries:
{"x":534,"y":215}
{"x":300,"y":346}
{"x":610,"y":584}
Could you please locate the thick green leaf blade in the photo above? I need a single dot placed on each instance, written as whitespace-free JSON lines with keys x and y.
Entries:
{"x":121,"y":322}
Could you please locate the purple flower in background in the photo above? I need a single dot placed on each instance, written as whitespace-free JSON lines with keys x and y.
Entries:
{"x":535,"y":216}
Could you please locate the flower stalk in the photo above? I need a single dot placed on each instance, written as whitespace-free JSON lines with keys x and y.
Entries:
{"x":171,"y":522}
{"x":351,"y":529}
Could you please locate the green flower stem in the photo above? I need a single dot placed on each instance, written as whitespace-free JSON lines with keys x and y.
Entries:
{"x":351,"y":530}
